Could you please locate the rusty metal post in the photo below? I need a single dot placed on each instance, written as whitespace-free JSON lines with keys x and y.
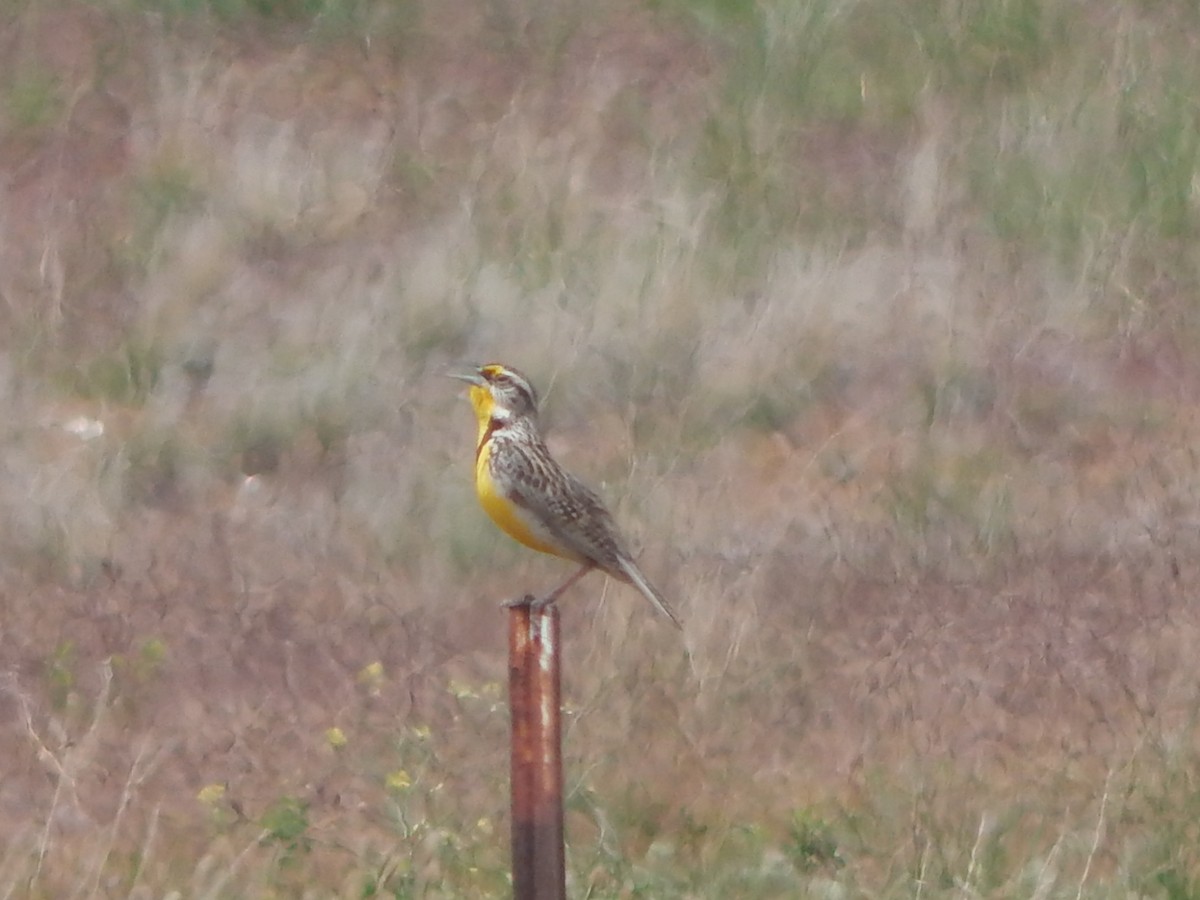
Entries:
{"x":549,"y":854}
{"x":521,"y":663}
{"x":535,"y":701}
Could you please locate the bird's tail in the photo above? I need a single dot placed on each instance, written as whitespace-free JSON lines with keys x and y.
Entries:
{"x":638,"y":580}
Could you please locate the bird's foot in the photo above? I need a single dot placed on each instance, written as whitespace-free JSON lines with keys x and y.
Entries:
{"x":535,"y":604}
{"x":541,"y":604}
{"x":518,"y":602}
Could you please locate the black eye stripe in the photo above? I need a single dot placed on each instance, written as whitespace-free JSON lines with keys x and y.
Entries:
{"x":508,"y":381}
{"x":501,"y":378}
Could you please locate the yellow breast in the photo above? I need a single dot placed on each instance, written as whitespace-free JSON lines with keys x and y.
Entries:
{"x":512,"y":519}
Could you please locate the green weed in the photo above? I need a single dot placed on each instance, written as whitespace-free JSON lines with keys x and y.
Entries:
{"x":126,"y":376}
{"x":33,"y":100}
{"x":60,"y":676}
{"x":811,"y":843}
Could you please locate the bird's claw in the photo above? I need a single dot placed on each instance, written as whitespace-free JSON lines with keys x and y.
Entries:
{"x":535,"y":604}
{"x":542,"y":603}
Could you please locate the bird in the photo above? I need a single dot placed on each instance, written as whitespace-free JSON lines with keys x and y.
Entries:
{"x":531,"y":498}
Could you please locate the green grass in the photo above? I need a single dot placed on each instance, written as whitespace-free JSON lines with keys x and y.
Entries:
{"x":128,"y":376}
{"x":335,"y":17}
{"x":33,"y":100}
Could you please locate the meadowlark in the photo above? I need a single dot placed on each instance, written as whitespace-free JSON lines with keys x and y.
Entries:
{"x":533,"y":499}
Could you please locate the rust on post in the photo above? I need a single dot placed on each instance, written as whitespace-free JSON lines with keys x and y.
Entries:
{"x":535,"y":692}
{"x":548,"y":858}
{"x":524,"y":750}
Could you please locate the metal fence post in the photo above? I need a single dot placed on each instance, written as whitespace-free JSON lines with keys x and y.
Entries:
{"x":535,"y":703}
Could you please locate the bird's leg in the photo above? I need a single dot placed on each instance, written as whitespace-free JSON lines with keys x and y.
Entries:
{"x":540,"y":603}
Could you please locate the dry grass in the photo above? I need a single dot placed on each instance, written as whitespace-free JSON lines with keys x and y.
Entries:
{"x":872,"y":323}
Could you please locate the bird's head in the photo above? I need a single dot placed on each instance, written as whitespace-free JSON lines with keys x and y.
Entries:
{"x":500,"y":393}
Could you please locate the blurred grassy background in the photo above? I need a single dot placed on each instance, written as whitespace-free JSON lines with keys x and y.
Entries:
{"x":875,"y":322}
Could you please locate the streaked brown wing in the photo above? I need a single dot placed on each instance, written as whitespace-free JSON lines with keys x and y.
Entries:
{"x":571,"y":511}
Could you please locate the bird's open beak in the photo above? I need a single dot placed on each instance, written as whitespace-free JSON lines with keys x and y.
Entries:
{"x":472,"y":378}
